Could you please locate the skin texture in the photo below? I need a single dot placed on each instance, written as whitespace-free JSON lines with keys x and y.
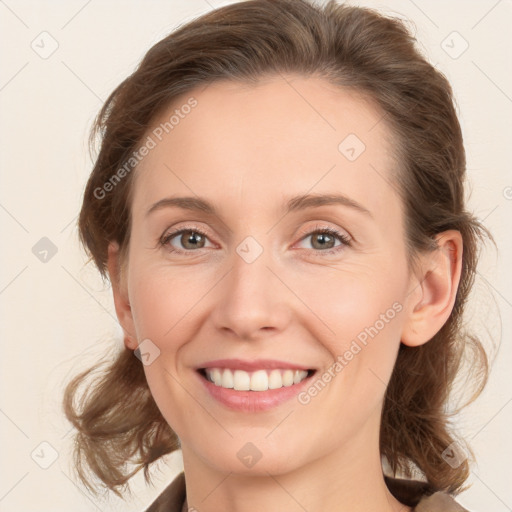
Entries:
{"x":248,"y":149}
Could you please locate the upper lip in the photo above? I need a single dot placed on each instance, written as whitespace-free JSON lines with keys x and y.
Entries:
{"x":255,"y":364}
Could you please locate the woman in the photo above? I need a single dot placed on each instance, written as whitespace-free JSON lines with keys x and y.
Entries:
{"x":278,"y":204}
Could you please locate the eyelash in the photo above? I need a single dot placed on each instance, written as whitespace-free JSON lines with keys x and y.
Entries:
{"x":343,"y":238}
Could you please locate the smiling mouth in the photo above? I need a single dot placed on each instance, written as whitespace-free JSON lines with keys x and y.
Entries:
{"x":259,"y":380}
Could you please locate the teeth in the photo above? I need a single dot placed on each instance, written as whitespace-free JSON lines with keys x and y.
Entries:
{"x":260,"y":380}
{"x":288,"y":378}
{"x":216,"y":376}
{"x":227,"y":379}
{"x":275,"y":381}
{"x":241,"y":381}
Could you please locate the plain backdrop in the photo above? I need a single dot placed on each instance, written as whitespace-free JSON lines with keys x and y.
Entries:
{"x":60,"y":60}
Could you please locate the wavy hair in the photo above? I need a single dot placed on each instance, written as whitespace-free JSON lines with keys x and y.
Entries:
{"x":119,"y":428}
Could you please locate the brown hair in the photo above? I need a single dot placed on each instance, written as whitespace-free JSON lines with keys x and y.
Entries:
{"x":117,"y":420}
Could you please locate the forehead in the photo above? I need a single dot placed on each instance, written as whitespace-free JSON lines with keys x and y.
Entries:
{"x":287,"y":134}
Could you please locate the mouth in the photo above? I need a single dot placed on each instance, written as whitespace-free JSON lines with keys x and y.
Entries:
{"x":259,"y":380}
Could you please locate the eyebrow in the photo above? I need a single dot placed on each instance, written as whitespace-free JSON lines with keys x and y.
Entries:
{"x":294,"y":204}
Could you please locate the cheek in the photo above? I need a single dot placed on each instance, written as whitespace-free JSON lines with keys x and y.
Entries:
{"x":364,"y":313}
{"x":163,"y":300}
{"x":355,"y":304}
{"x":363,"y":309}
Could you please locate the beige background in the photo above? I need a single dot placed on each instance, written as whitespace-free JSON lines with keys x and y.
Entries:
{"x":58,"y":317}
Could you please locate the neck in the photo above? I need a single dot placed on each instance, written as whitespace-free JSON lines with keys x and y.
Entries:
{"x":348,"y":478}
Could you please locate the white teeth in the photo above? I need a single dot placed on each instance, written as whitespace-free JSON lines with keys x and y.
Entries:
{"x":241,"y":380}
{"x":275,"y":381}
{"x":297,"y":376}
{"x":288,"y":378}
{"x":227,"y":379}
{"x":260,"y":380}
{"x":216,"y":376}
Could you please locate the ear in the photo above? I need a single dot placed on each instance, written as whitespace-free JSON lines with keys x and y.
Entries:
{"x":120,"y":291}
{"x":434,"y":289}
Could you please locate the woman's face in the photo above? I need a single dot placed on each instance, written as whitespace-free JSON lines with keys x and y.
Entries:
{"x":256,"y":279}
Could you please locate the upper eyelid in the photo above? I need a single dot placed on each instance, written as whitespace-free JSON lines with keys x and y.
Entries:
{"x":310,"y":230}
{"x":303,"y":232}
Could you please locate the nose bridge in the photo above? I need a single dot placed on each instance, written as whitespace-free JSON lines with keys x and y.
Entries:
{"x":250,"y":298}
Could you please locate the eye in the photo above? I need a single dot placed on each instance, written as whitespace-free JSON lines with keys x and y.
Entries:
{"x":188,"y":239}
{"x":323,"y":239}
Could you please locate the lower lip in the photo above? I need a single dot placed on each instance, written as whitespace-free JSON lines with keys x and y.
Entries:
{"x":253,"y":401}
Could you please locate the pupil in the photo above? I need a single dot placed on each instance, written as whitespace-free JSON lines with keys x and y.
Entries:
{"x":323,"y":238}
{"x":192,"y":238}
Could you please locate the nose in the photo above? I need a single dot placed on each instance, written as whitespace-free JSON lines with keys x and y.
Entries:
{"x":251,"y":301}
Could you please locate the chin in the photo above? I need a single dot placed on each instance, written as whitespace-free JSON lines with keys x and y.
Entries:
{"x":245,"y":457}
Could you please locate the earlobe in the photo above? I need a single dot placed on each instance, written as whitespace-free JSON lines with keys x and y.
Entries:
{"x":434,"y":290}
{"x":120,"y":293}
